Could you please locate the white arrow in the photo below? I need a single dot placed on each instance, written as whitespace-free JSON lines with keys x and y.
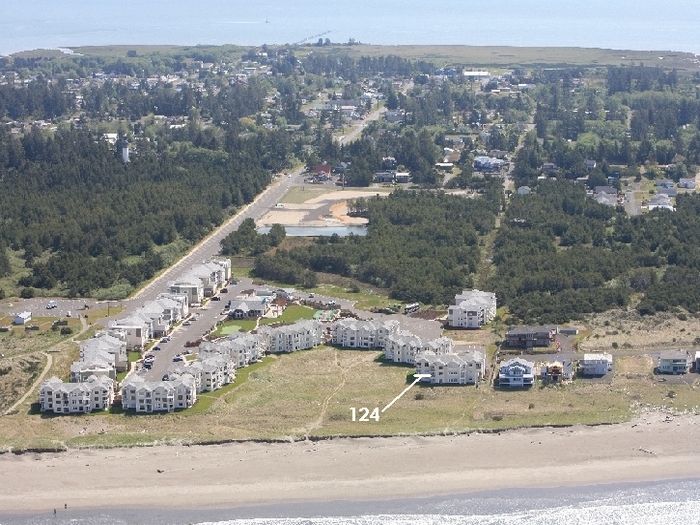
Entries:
{"x":418,"y":378}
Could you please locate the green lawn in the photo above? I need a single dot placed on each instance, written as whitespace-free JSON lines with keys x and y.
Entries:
{"x":292,"y":314}
{"x":364,"y":299}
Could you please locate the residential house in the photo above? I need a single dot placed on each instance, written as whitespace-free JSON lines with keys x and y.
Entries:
{"x":158,"y":396}
{"x":529,"y":336}
{"x":488,"y":164}
{"x":384,"y":177}
{"x":22,"y":318}
{"x":402,"y":177}
{"x":96,"y":393}
{"x":457,"y":368}
{"x":660,"y":201}
{"x":175,"y":307}
{"x":595,"y":364}
{"x":245,"y":308}
{"x":516,"y":373}
{"x":472,"y":309}
{"x":290,"y":338}
{"x":675,"y":362}
{"x":688,"y":183}
{"x":404,"y":347}
{"x":590,"y":164}
{"x":557,"y":371}
{"x":354,"y":333}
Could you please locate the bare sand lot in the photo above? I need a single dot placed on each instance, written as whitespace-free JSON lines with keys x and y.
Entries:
{"x":653,"y":447}
{"x":315,"y":207}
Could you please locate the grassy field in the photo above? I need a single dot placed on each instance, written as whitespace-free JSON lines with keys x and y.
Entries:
{"x":310,"y":393}
{"x":365,"y":298}
{"x":508,"y":56}
{"x":291,"y":314}
{"x":17,"y":271}
{"x":301,"y":194}
{"x":20,"y":341}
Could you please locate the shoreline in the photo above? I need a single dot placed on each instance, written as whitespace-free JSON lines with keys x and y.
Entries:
{"x":249,"y":475}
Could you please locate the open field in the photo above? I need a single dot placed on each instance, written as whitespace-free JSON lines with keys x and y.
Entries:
{"x":310,"y":393}
{"x":291,"y":314}
{"x":629,"y":330}
{"x":16,"y":375}
{"x":365,"y":298}
{"x":20,"y":341}
{"x":509,"y":56}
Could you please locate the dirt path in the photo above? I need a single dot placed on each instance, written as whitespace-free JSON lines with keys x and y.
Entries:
{"x":324,"y":406}
{"x":84,"y":327}
{"x":35,"y":385}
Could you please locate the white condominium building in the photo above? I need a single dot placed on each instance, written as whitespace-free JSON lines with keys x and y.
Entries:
{"x":472,"y":309}
{"x":353,"y":333}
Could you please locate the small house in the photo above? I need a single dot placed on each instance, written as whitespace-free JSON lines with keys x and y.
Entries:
{"x":557,"y":372}
{"x":687,"y":183}
{"x":22,"y":318}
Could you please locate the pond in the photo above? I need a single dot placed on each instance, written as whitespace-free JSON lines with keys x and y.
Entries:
{"x":321,"y":231}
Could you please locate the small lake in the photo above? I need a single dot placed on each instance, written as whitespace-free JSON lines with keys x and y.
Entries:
{"x":321,"y":231}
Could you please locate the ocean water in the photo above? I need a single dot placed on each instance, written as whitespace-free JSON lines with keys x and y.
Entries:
{"x":661,"y":503}
{"x":621,"y":24}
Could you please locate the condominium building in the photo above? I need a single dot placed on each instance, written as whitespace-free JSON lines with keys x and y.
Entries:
{"x":466,"y":367}
{"x":290,"y":338}
{"x":96,"y":393}
{"x":472,"y":309}
{"x":353,"y":333}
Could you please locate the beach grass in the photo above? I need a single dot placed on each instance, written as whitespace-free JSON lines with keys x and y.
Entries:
{"x":311,"y":393}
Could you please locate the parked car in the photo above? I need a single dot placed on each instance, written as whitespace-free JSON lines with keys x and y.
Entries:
{"x":216,"y":298}
{"x":51,"y":305}
{"x":224,"y":290}
{"x":164,"y":378}
{"x":165,"y":339}
{"x":186,"y":323}
{"x":69,"y":314}
{"x":156,"y":348}
{"x":148,"y":365}
{"x":178,"y":358}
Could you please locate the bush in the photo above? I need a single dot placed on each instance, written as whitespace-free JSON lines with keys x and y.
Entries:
{"x":27,"y":293}
{"x":66,"y":330}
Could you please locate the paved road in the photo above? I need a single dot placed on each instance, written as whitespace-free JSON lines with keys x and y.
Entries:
{"x":209,"y":246}
{"x":202,"y":321}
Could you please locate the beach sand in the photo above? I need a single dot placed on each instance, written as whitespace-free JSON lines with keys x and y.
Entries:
{"x":239,"y":474}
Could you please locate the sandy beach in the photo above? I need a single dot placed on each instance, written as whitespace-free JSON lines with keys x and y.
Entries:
{"x":652,"y":448}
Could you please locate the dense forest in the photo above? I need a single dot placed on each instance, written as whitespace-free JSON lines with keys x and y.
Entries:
{"x":422,"y":246}
{"x":84,"y":220}
{"x":559,"y":255}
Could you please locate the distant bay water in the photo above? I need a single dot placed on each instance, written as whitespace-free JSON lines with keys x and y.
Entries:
{"x":619,"y":24}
